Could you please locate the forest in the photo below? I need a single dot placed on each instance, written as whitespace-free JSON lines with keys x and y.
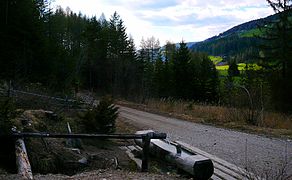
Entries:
{"x":65,"y":51}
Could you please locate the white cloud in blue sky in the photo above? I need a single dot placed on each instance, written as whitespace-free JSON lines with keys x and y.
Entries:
{"x":174,"y":20}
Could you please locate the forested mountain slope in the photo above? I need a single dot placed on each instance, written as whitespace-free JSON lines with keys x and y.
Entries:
{"x":238,"y":42}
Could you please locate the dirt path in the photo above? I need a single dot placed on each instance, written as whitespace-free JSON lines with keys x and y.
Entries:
{"x":262,"y":155}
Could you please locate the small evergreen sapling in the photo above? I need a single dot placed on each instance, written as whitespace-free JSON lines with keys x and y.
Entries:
{"x":101,"y":119}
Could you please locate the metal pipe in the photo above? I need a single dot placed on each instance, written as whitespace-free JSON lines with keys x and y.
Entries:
{"x":251,"y":111}
{"x":101,"y":136}
{"x":249,"y":96}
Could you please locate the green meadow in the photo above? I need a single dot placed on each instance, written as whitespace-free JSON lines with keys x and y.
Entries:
{"x":223,"y":69}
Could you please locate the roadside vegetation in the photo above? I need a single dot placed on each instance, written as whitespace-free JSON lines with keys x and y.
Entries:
{"x":33,"y":113}
{"x":64,"y":158}
{"x":101,"y":119}
{"x":270,"y":123}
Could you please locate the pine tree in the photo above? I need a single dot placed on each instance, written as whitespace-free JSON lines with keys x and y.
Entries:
{"x":134,"y":72}
{"x":92,"y":35}
{"x":277,"y":38}
{"x":158,"y":77}
{"x":168,"y":73}
{"x":182,"y":73}
{"x":277,"y":53}
{"x":148,"y":54}
{"x":208,"y":80}
{"x":20,"y":40}
{"x":233,"y":69}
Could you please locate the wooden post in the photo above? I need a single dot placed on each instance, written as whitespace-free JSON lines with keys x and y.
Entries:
{"x":9,"y":89}
{"x":69,"y":141}
{"x":145,"y":157}
{"x":22,"y":162}
{"x":67,"y":103}
{"x":69,"y":128}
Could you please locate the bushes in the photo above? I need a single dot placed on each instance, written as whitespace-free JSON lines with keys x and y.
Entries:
{"x":101,"y":119}
{"x":7,"y":113}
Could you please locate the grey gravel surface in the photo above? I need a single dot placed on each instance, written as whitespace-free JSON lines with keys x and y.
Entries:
{"x":260,"y":154}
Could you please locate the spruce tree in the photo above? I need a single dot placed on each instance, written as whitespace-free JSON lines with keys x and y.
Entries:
{"x":233,"y":69}
{"x":277,"y":53}
{"x":182,"y":73}
{"x":277,"y":38}
{"x":208,"y":80}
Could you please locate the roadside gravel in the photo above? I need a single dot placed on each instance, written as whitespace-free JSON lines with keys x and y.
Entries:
{"x":259,"y":154}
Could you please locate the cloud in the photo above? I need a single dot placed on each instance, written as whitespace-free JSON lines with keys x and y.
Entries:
{"x":153,"y":4}
{"x":191,"y":20}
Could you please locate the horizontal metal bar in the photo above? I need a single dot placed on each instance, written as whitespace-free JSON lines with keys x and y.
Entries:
{"x":101,"y":136}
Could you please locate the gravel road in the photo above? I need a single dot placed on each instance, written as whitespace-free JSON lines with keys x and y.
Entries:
{"x":262,"y":155}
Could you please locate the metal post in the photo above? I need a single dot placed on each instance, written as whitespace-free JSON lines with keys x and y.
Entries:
{"x":251,"y":110}
{"x":178,"y":150}
{"x":262,"y":104}
{"x":145,"y":157}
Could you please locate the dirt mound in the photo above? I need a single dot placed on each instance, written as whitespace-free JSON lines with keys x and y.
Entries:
{"x":112,"y":174}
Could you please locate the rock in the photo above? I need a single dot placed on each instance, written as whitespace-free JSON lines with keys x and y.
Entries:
{"x":76,"y":150}
{"x":83,"y":161}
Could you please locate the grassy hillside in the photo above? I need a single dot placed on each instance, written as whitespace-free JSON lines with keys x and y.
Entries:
{"x":241,"y":67}
{"x":251,"y":33}
{"x":239,"y":42}
{"x":216,"y":59}
{"x":223,"y":69}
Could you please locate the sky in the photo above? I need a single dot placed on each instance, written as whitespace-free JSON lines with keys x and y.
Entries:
{"x":173,"y":20}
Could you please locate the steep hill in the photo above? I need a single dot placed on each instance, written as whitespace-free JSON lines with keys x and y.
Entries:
{"x":238,"y":42}
{"x":245,"y":27}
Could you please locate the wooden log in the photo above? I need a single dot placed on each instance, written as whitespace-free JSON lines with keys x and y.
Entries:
{"x":22,"y":162}
{"x":198,"y":166}
{"x":223,"y":169}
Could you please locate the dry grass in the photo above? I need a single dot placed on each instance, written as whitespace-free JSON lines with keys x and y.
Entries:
{"x":124,"y":127}
{"x":189,"y":110}
{"x":270,"y":123}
